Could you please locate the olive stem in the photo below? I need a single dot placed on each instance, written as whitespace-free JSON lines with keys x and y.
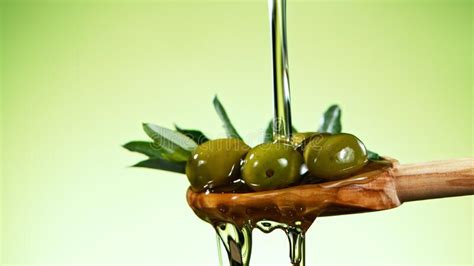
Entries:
{"x":281,"y":86}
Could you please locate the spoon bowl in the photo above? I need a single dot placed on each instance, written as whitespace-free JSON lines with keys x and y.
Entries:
{"x":379,"y":186}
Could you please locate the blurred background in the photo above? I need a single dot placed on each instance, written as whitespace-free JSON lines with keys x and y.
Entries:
{"x":79,"y":77}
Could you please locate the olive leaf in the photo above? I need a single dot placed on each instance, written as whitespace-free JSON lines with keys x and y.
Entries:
{"x":195,"y":135}
{"x":150,"y":149}
{"x":158,"y":158}
{"x":229,"y":128}
{"x":162,"y":164}
{"x":373,"y":156}
{"x":331,"y":120}
{"x":268,"y":137}
{"x":144,"y":147}
{"x":176,"y":145}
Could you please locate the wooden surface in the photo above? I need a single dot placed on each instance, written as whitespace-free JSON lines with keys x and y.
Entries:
{"x":375,"y":189}
{"x":431,"y":180}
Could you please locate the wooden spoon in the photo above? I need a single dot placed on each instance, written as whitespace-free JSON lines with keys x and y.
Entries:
{"x":376,"y":188}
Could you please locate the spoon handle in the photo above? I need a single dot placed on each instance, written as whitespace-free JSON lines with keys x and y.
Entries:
{"x":436,"y":179}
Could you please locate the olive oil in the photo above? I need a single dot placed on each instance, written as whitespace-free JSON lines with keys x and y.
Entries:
{"x":295,"y":238}
{"x":238,"y":240}
{"x":281,"y":81}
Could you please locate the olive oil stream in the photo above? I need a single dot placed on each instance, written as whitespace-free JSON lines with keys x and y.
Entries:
{"x":281,"y":83}
{"x":237,"y":241}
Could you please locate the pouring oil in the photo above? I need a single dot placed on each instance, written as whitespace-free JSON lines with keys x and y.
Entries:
{"x":238,"y":241}
{"x":281,"y":81}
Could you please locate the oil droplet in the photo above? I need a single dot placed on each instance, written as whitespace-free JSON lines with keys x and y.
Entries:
{"x":219,"y":252}
{"x":296,"y":238}
{"x":237,"y":242}
{"x":223,"y":209}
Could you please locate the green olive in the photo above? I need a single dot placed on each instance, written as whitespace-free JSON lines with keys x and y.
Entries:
{"x":272,"y":166}
{"x":334,"y":156}
{"x":215,"y":163}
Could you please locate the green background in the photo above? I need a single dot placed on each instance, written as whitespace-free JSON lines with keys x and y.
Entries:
{"x":78,"y":78}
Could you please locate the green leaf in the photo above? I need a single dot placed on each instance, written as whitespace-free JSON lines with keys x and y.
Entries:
{"x":229,"y":128}
{"x":331,"y":120}
{"x":268,"y":137}
{"x":373,"y":156}
{"x":149,"y":149}
{"x":195,"y":135}
{"x":144,"y":147}
{"x":176,"y":145}
{"x":293,"y":129}
{"x":162,"y":164}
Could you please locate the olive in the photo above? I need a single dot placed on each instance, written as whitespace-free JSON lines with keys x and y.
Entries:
{"x":215,"y":163}
{"x":334,"y":156}
{"x":272,"y":166}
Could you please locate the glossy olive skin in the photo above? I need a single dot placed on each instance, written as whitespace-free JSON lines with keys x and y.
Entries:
{"x":334,"y":156}
{"x":215,"y":163}
{"x":272,"y":166}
